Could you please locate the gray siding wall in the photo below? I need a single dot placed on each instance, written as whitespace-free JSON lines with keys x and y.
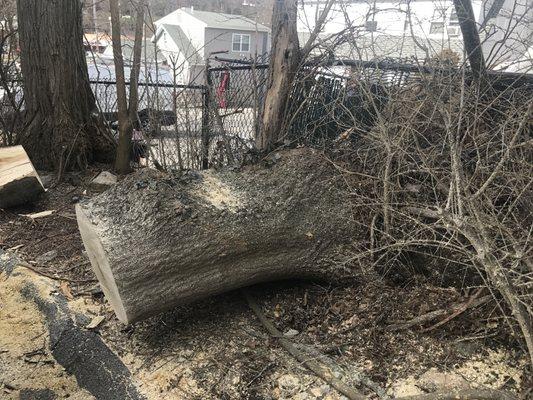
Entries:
{"x":221,"y":40}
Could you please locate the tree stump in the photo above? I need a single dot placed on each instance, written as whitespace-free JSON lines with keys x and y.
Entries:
{"x":156,"y":241}
{"x":19,"y":182}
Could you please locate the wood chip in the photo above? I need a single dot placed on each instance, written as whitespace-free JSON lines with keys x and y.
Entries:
{"x":96,"y":321}
{"x":41,"y":214}
{"x":65,"y":289}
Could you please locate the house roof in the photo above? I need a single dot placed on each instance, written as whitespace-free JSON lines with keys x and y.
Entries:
{"x":148,"y":51}
{"x":179,"y":37}
{"x":381,"y":46}
{"x":215,"y":20}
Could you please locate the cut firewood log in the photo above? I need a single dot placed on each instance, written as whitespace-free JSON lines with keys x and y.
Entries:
{"x":156,"y":241}
{"x":19,"y":182}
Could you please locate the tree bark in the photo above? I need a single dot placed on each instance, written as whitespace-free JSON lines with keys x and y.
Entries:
{"x":284,"y":62}
{"x":62,"y":128}
{"x":467,"y":22}
{"x":156,"y":241}
{"x":19,"y":182}
{"x":136,"y":67}
{"x":125,"y":127}
{"x":127,"y":113}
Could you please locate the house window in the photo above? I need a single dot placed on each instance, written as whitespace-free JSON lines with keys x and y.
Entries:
{"x":454,"y":20}
{"x":436,"y":27}
{"x":240,"y":42}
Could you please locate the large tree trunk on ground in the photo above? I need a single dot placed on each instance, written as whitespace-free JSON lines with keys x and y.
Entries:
{"x":63,"y":130}
{"x":19,"y":182}
{"x":284,"y":62}
{"x":155,"y":241}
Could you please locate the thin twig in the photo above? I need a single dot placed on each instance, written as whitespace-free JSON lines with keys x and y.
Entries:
{"x":472,"y":302}
{"x":57,"y":278}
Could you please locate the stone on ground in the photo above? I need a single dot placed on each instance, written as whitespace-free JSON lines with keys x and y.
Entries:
{"x":104,"y":180}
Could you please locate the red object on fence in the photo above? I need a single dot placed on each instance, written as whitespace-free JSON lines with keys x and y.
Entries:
{"x":222,"y":88}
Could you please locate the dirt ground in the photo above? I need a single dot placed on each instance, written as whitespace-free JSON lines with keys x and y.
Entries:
{"x":216,"y":348}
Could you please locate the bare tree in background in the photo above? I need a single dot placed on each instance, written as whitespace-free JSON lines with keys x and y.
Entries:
{"x":472,"y":43}
{"x":127,"y":113}
{"x":12,"y":100}
{"x":284,"y":62}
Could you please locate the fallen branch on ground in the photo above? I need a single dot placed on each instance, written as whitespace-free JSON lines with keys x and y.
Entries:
{"x":459,"y":310}
{"x":311,"y":364}
{"x":56,"y":278}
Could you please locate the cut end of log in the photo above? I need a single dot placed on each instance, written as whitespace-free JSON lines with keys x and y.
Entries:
{"x":19,"y":181}
{"x":100,"y":263}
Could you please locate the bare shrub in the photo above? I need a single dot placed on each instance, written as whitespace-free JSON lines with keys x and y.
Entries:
{"x":11,"y":98}
{"x":447,"y":173}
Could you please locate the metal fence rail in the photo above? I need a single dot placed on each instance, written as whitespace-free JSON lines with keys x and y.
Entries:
{"x":197,"y":126}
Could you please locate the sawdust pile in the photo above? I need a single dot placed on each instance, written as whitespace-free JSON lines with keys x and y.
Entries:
{"x":217,"y":193}
{"x":25,"y":359}
{"x":492,"y":369}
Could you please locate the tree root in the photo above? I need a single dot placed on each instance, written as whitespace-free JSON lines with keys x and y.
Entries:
{"x":319,"y":370}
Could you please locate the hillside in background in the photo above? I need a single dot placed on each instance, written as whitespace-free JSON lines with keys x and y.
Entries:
{"x":254,"y":9}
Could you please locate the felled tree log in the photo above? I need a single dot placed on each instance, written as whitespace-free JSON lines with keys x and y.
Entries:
{"x":156,"y":241}
{"x":19,"y":182}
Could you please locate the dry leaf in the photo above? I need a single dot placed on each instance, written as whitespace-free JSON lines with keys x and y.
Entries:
{"x":96,"y":321}
{"x":65,"y":289}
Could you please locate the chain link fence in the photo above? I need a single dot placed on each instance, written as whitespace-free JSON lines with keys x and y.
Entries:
{"x":215,"y":124}
{"x":236,"y":95}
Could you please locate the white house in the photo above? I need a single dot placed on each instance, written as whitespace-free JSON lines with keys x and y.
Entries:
{"x":188,"y":37}
{"x":403,"y":28}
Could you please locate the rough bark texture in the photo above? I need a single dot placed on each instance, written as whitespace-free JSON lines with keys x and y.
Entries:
{"x":62,"y":129}
{"x":125,"y":127}
{"x":19,"y":182}
{"x":156,"y":241}
{"x":284,"y":62}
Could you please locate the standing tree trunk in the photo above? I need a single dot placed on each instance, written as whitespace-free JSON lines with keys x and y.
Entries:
{"x":62,"y":128}
{"x":467,"y":22}
{"x":127,"y":115}
{"x":122,"y":162}
{"x":284,"y":62}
